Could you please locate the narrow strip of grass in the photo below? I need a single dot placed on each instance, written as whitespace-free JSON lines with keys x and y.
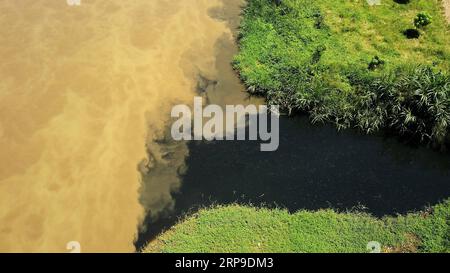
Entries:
{"x":229,"y":229}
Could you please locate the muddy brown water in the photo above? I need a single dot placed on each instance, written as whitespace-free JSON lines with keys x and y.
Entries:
{"x":84,"y":92}
{"x":85,"y":103}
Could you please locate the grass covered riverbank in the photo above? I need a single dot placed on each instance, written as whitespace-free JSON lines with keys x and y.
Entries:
{"x":247,"y":229}
{"x":352,"y":64}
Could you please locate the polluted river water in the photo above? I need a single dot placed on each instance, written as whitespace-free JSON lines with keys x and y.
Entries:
{"x":85,"y":147}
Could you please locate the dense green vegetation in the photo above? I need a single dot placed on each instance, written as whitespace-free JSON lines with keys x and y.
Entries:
{"x":352,"y":64}
{"x":247,"y":229}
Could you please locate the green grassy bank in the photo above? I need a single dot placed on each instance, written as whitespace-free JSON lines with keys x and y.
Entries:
{"x":247,"y":229}
{"x":352,"y":64}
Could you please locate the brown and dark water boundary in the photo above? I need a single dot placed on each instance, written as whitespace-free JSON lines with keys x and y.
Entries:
{"x":315,"y":167}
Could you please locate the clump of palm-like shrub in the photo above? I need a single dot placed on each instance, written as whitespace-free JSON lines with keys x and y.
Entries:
{"x":412,"y":101}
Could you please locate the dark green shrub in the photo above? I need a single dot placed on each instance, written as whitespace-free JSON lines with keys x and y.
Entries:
{"x":375,"y":63}
{"x":422,"y":19}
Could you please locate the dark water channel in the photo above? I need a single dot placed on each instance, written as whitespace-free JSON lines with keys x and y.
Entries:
{"x":315,"y":167}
